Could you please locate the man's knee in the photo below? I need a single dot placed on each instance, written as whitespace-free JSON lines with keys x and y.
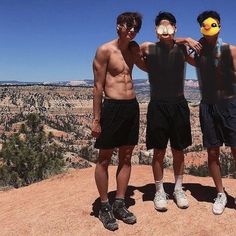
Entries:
{"x":104,"y":157}
{"x":213,"y":154}
{"x":159,"y":154}
{"x":103,"y":162}
{"x":177,"y":154}
{"x":125,"y":154}
{"x":233,"y":151}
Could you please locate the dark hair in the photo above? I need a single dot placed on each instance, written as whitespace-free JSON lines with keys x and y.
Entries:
{"x":204,"y":15}
{"x":130,"y":17}
{"x":163,"y":15}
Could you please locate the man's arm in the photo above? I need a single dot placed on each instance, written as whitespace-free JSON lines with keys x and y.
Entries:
{"x":193,"y":44}
{"x":99,"y":70}
{"x":233,"y":53}
{"x":139,"y":59}
{"x":192,"y":47}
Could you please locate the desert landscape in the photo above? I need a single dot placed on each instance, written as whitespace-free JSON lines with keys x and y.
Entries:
{"x":67,"y":204}
{"x":66,"y":111}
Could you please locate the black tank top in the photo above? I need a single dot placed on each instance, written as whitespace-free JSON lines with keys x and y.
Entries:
{"x":216,"y":75}
{"x":166,"y":71}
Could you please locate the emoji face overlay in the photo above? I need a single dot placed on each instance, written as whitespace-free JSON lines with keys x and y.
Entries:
{"x":163,"y":29}
{"x":210,"y":27}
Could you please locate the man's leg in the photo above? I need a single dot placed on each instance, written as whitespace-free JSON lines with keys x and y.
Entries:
{"x":233,"y":150}
{"x":123,"y":170}
{"x":160,"y":201}
{"x":101,"y":178}
{"x":178,"y":164}
{"x":157,"y":164}
{"x":122,"y":178}
{"x":215,"y":171}
{"x":214,"y":167}
{"x":101,"y":173}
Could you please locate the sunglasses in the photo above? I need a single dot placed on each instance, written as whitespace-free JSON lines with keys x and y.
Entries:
{"x":129,"y":27}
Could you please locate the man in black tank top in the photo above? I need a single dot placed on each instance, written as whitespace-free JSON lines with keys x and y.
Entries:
{"x":168,"y":116}
{"x":216,"y":69}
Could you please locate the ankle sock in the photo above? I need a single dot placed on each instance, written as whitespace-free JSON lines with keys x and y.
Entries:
{"x":105,"y":205}
{"x":178,"y":182}
{"x":159,"y":186}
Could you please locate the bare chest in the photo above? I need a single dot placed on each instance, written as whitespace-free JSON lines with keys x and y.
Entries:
{"x":120,"y":63}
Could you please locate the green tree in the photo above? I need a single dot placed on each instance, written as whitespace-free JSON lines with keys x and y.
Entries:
{"x":201,"y":170}
{"x":31,"y":158}
{"x":227,"y":164}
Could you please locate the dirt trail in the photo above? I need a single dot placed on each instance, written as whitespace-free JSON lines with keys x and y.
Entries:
{"x":67,"y":204}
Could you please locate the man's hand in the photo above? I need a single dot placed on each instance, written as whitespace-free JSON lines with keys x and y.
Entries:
{"x":96,"y":128}
{"x":194,"y":45}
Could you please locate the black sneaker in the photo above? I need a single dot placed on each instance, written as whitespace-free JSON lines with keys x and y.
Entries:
{"x":122,"y":213}
{"x":107,"y":218}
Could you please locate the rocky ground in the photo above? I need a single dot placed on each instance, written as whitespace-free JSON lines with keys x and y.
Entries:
{"x":68,"y":204}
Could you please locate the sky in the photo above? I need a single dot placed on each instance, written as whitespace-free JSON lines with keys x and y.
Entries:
{"x":56,"y":40}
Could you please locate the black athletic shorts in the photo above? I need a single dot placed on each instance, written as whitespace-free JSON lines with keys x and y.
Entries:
{"x":218,"y":123}
{"x":119,"y":124}
{"x":168,"y":120}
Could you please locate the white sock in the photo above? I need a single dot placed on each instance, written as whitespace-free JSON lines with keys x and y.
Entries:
{"x":178,"y":182}
{"x":159,"y":185}
{"x":104,"y":201}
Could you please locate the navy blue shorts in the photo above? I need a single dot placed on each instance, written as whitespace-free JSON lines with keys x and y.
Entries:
{"x":119,"y":124}
{"x":218,"y":123}
{"x":168,"y":120}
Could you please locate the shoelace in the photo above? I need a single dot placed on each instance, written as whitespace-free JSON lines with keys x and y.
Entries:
{"x":161,"y":196}
{"x":219,"y":200}
{"x":109,"y":216}
{"x":181,"y":194}
{"x":123,"y":211}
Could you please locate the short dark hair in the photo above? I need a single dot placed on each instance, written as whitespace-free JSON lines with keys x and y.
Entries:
{"x":204,"y":15}
{"x":130,"y":17}
{"x":164,"y":15}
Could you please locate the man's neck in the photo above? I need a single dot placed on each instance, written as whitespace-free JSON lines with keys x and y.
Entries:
{"x":122,"y":44}
{"x":167,"y":43}
{"x":211,"y":41}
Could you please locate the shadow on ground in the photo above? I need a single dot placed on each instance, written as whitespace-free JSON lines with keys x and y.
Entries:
{"x":199,"y":192}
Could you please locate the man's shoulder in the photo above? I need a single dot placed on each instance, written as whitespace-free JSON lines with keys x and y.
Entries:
{"x":232,"y":47}
{"x":232,"y":50}
{"x":146,"y":44}
{"x":106,"y":47}
{"x":145,"y":47}
{"x":183,"y":48}
{"x":226,"y":46}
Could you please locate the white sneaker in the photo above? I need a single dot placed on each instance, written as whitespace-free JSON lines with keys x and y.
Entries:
{"x":160,"y":201}
{"x":220,"y":203}
{"x":181,"y":199}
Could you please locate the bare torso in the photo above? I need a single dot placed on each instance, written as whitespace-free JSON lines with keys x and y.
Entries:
{"x":118,"y":81}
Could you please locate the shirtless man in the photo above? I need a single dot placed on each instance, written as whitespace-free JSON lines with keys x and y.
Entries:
{"x":116,"y":119}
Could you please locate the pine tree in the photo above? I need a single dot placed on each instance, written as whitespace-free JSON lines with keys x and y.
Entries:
{"x":31,"y":158}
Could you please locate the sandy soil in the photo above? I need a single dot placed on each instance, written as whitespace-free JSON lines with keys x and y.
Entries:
{"x":67,"y":204}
